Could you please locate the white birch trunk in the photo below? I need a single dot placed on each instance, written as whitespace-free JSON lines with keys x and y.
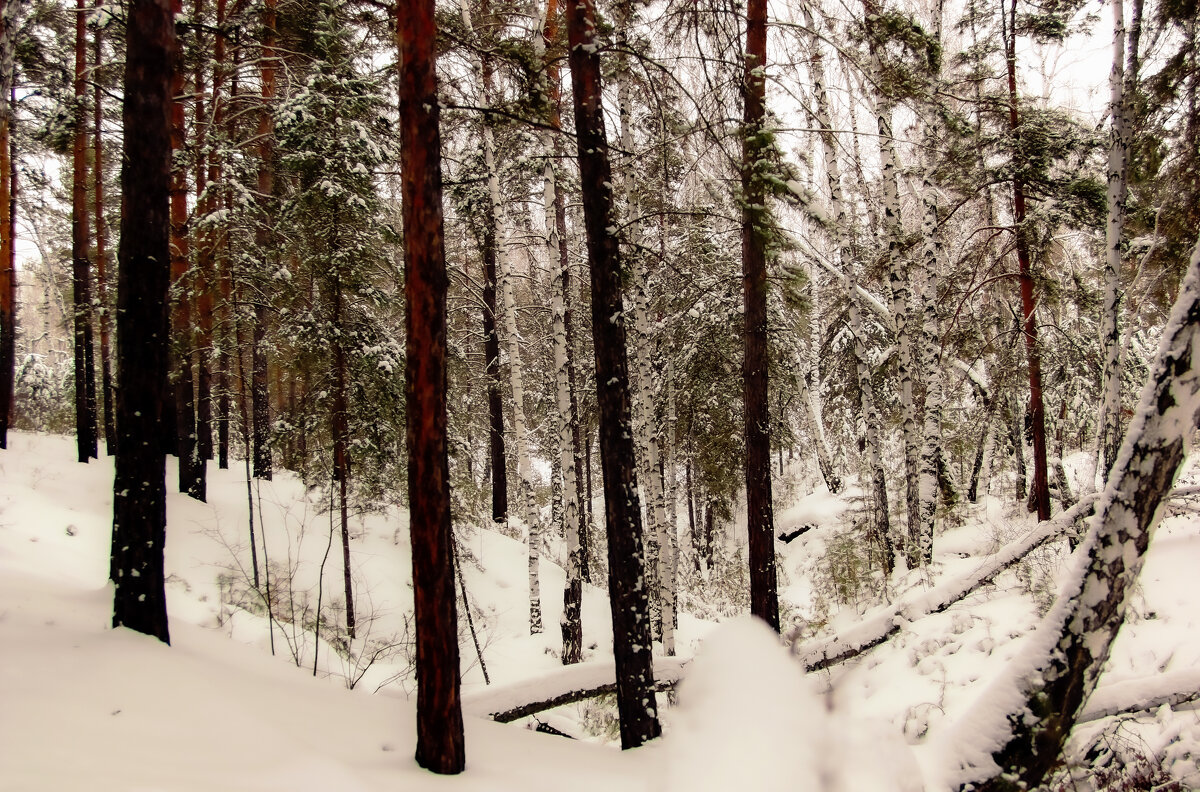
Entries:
{"x":512,"y":339}
{"x":642,"y":391}
{"x":904,"y":305}
{"x":524,"y":482}
{"x":1077,"y":636}
{"x":880,"y":529}
{"x":566,"y":451}
{"x":925,"y":300}
{"x":1109,"y":421}
{"x":811,"y":381}
{"x":571,"y":625}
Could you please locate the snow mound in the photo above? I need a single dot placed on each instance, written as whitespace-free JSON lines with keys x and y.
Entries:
{"x":749,"y":718}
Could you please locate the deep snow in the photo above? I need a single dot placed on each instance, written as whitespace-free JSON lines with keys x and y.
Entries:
{"x":85,"y":707}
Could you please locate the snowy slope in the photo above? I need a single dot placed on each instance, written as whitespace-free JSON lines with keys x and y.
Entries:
{"x":86,"y":707}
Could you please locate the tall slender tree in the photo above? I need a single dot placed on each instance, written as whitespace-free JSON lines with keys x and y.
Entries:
{"x":139,"y":486}
{"x":636,"y":703}
{"x":191,"y":470}
{"x":764,"y":599}
{"x":103,"y":318}
{"x":440,"y":745}
{"x":264,"y":240}
{"x":8,"y":280}
{"x":1040,"y":491}
{"x":81,"y":264}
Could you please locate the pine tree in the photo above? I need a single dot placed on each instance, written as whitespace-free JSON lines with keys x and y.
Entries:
{"x":626,"y":562}
{"x":439,"y":715}
{"x":139,"y":487}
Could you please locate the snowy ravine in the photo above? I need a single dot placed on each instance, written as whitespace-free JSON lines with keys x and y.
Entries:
{"x":85,"y":707}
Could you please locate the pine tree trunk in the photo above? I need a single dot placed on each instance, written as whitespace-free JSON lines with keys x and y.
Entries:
{"x":143,"y":277}
{"x":1040,"y":492}
{"x":1087,"y":619}
{"x":204,"y":277}
{"x":636,"y":703}
{"x":264,"y":240}
{"x":764,"y":599}
{"x":341,"y":448}
{"x":85,"y":374}
{"x":221,"y":245}
{"x":190,"y":479}
{"x":106,"y":383}
{"x":8,"y":280}
{"x":440,"y":745}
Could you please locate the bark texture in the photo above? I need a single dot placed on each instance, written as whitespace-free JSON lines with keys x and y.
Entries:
{"x":139,"y":488}
{"x":1040,"y":491}
{"x":626,"y":562}
{"x":440,"y":745}
{"x":764,"y":599}
{"x":81,"y":263}
{"x":8,"y":281}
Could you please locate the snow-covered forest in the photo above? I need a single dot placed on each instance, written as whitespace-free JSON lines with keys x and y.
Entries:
{"x":798,"y":393}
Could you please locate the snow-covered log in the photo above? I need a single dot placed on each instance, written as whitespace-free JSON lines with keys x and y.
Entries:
{"x":871,"y":632}
{"x":579,"y":682}
{"x":1142,"y":695}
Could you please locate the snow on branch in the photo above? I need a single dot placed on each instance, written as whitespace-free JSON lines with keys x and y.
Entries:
{"x":871,"y":632}
{"x":1142,"y":695}
{"x":1018,"y":727}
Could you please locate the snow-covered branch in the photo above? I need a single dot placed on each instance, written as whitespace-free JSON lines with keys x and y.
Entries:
{"x":871,"y":632}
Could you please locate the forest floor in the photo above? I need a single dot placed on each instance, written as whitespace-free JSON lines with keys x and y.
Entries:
{"x":232,"y":704}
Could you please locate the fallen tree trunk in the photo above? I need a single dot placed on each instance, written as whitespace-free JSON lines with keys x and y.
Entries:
{"x":1021,"y":725}
{"x":579,"y":682}
{"x":1142,"y":695}
{"x":823,"y":653}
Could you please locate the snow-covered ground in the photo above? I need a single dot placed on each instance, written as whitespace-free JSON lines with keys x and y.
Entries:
{"x":85,"y":707}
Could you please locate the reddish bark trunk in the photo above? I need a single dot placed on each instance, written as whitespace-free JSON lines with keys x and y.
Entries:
{"x":264,"y":241}
{"x":190,"y":478}
{"x":764,"y":599}
{"x":440,"y":745}
{"x":1040,"y":492}
{"x":204,"y":274}
{"x":106,"y":383}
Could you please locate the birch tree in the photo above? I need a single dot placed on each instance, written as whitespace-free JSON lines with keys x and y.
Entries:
{"x":1081,"y":627}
